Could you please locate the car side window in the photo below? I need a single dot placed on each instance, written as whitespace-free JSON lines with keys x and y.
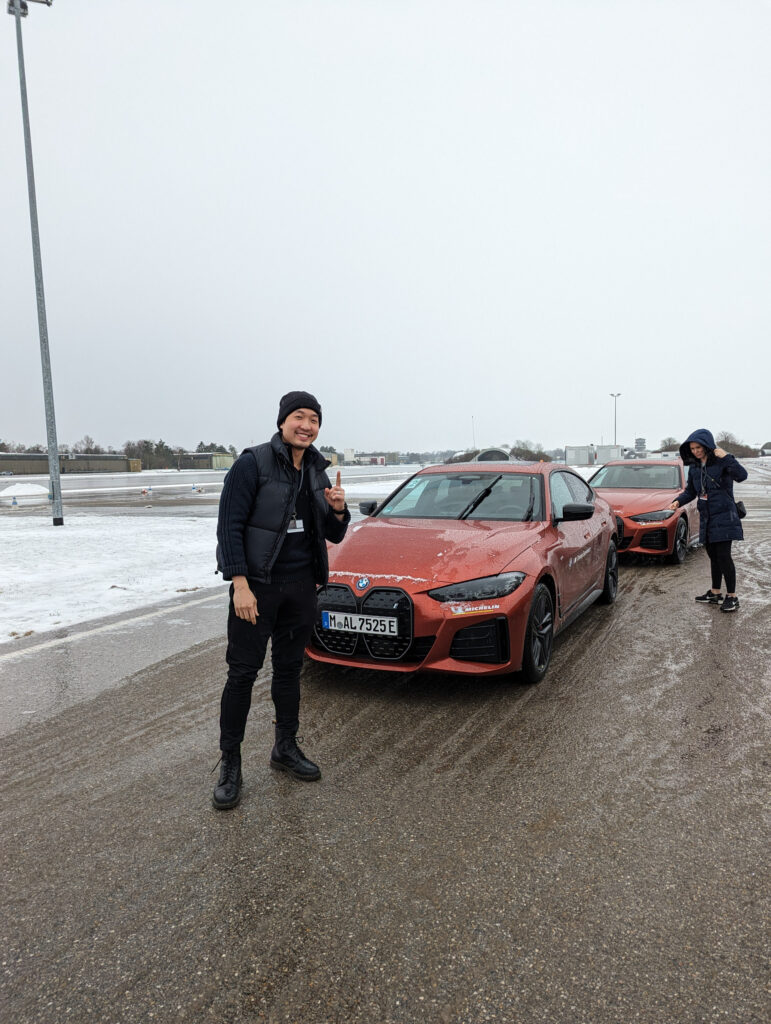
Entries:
{"x":560,"y":493}
{"x":580,"y":490}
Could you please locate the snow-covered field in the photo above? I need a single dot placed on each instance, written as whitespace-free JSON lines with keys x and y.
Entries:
{"x":99,"y":565}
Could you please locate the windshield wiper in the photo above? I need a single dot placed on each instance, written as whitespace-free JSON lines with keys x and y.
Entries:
{"x":479,"y":498}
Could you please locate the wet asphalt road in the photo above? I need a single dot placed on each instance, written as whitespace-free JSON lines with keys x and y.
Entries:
{"x":593,"y":849}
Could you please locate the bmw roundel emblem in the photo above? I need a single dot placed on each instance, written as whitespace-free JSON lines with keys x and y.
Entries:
{"x":362,"y":583}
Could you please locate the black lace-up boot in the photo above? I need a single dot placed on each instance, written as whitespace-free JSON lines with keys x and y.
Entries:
{"x":227,"y":792}
{"x":286,"y":756}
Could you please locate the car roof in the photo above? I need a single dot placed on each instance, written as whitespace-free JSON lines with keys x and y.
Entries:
{"x":643,"y":462}
{"x":488,"y":467}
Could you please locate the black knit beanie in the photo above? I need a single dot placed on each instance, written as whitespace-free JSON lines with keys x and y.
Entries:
{"x":297,"y":400}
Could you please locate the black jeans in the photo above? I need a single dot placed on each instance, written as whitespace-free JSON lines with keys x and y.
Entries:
{"x":722,"y":565}
{"x":286,"y":615}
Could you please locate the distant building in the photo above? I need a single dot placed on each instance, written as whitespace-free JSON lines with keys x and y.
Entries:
{"x":205,"y":460}
{"x":29,"y":463}
{"x":608,"y":452}
{"x":580,"y":454}
{"x":36,"y":463}
{"x":353,"y":458}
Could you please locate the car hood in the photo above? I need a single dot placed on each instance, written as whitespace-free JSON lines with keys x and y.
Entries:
{"x":415,"y":553}
{"x":633,"y":501}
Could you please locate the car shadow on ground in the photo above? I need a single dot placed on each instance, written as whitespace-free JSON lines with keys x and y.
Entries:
{"x":435,"y":688}
{"x":627,"y":561}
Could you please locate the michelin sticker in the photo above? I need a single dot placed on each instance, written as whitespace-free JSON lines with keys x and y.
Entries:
{"x":472,"y":609}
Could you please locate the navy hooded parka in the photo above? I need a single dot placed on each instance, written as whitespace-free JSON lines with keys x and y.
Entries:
{"x":718,"y":518}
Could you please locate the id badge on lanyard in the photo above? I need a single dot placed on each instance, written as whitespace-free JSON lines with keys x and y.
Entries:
{"x":295,"y":524}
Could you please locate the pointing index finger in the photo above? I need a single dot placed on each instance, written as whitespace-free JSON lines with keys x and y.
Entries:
{"x":337,"y":483}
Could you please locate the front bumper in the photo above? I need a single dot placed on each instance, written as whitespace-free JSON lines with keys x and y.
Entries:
{"x":656,"y":538}
{"x":475,"y":637}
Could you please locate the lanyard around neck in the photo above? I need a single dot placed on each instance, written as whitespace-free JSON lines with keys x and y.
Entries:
{"x":300,"y":485}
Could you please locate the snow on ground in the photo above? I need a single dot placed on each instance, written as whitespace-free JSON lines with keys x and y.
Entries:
{"x":98,"y":565}
{"x":23,"y":491}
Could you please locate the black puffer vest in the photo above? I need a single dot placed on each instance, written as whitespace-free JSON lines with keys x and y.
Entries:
{"x":271,"y":509}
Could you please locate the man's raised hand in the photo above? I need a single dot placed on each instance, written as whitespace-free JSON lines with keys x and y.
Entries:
{"x":335,"y":496}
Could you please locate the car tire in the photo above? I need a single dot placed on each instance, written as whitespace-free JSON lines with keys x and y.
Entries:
{"x":539,"y":635}
{"x":680,"y":547}
{"x":610,"y":583}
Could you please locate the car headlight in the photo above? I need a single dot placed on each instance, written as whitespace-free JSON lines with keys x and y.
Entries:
{"x":481,"y":589}
{"x":653,"y":517}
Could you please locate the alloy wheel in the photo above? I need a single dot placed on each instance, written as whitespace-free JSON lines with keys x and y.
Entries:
{"x":542,"y":634}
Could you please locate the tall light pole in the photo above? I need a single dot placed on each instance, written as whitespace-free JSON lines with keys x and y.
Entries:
{"x":19,"y":10}
{"x":614,"y":396}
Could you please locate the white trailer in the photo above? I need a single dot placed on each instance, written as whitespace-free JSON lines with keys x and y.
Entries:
{"x":579,"y":455}
{"x":608,"y":452}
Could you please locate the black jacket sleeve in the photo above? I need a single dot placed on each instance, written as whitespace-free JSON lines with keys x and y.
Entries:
{"x":238,"y":494}
{"x":334,"y":528}
{"x":690,"y":491}
{"x":731,"y":466}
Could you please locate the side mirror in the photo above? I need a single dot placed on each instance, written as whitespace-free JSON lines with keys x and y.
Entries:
{"x":575,"y":511}
{"x":367,"y":507}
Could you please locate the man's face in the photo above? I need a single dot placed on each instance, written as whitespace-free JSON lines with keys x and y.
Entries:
{"x":697,"y":450}
{"x":301,"y":428}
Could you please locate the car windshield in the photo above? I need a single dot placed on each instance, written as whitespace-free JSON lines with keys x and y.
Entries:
{"x":506,"y":497}
{"x":650,"y":478}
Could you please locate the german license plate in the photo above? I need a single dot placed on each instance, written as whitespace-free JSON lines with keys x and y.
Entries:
{"x":347,"y":622}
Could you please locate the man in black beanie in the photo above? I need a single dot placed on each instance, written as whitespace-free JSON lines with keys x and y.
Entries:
{"x":277,"y":511}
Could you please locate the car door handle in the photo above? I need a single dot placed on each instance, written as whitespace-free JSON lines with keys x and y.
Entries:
{"x":587,"y":536}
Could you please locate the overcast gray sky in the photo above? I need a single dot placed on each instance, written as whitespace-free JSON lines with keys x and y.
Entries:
{"x":421,"y":211}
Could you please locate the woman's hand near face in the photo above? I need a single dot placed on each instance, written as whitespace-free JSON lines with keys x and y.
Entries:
{"x":720,"y":453}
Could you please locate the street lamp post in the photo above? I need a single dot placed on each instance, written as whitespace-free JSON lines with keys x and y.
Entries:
{"x":19,"y":10}
{"x":614,"y":396}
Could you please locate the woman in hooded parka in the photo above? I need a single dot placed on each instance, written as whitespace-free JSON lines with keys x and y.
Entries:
{"x":711,"y":476}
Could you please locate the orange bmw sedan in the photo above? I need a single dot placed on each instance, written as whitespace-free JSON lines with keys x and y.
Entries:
{"x":471,"y":568}
{"x":640,"y":493}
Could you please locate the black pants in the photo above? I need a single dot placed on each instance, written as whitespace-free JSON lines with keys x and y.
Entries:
{"x":722,"y":565}
{"x":286,"y":616}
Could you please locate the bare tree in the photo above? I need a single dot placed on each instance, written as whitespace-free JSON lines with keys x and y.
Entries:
{"x":87,"y":446}
{"x":725,"y":439}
